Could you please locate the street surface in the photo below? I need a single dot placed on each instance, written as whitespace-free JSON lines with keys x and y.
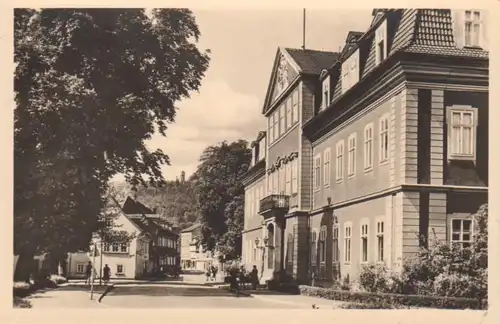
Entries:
{"x":164,"y":296}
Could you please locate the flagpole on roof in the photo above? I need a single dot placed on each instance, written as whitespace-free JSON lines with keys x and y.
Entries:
{"x":304,"y":29}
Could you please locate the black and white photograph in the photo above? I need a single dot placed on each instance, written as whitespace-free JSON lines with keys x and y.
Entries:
{"x":286,"y":158}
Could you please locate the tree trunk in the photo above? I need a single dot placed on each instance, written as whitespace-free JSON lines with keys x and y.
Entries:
{"x":24,"y":267}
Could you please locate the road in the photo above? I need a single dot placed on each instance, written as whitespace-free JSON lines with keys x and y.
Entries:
{"x":164,"y":296}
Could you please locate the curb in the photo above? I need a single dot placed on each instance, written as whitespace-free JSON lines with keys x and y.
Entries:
{"x":106,"y":291}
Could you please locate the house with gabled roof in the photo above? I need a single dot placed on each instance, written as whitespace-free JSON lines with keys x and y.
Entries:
{"x":372,"y":151}
{"x":154,"y":245}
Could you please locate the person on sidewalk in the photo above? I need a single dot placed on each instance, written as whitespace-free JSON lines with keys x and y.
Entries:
{"x":88,"y":273}
{"x":254,"y":277}
{"x":207,"y":273}
{"x":214,"y":273}
{"x":106,"y":274}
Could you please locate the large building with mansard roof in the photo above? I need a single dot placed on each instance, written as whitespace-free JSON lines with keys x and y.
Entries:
{"x":371,"y":151}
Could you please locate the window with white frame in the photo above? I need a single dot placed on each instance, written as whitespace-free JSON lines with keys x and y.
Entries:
{"x":326,"y":167}
{"x":322,"y":244}
{"x":461,"y":232}
{"x":282,"y":180}
{"x":269,"y":183}
{"x":317,"y":172}
{"x":472,"y":32}
{"x":384,"y":139}
{"x":347,"y":242}
{"x":262,"y":149}
{"x":282,"y":119}
{"x":276,"y":127}
{"x":120,"y":269}
{"x":250,"y":202}
{"x":381,"y":42}
{"x":275,"y":182}
{"x":257,"y":200}
{"x":350,"y":71}
{"x":380,"y":241}
{"x":313,"y":247}
{"x":351,"y":155}
{"x":364,"y":241}
{"x":462,"y":126}
{"x":295,"y":106}
{"x":270,"y":125}
{"x":325,"y":101}
{"x":288,"y":177}
{"x":368,"y":147}
{"x":288,"y":105}
{"x":294,"y":176}
{"x":339,"y":161}
{"x":335,"y":241}
{"x":124,"y":247}
{"x":80,"y":267}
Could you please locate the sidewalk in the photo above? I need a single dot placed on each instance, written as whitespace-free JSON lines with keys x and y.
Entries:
{"x":288,"y":299}
{"x":68,"y":296}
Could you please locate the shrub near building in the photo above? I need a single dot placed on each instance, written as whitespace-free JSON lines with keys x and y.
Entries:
{"x":440,"y":275}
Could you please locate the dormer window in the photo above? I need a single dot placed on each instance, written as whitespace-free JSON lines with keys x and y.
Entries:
{"x":350,"y":71}
{"x":262,"y":149}
{"x":381,"y":42}
{"x":325,"y":101}
{"x":472,"y":31}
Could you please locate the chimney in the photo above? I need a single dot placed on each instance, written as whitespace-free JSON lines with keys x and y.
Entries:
{"x":183,"y":176}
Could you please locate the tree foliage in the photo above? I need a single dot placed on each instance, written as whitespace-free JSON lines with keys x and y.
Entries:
{"x":91,"y":84}
{"x":220,"y":196}
{"x":175,"y":201}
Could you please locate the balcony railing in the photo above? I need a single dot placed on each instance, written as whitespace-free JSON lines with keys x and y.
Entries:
{"x":274,"y":202}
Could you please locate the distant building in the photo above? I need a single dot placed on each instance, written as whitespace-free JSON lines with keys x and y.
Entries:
{"x":193,"y":254}
{"x":155,"y":245}
{"x":371,"y":149}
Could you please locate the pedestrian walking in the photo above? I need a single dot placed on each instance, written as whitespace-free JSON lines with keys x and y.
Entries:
{"x":207,"y":273}
{"x":242,"y":277}
{"x":88,"y":273}
{"x":106,"y":274}
{"x":254,"y":277}
{"x":214,"y":273}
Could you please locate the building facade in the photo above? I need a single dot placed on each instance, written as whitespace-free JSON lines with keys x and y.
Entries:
{"x":193,"y":255}
{"x":154,"y":246}
{"x":372,"y":151}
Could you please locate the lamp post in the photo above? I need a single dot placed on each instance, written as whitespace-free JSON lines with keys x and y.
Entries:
{"x":262,"y":247}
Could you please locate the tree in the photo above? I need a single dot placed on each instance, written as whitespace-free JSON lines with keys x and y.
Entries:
{"x":175,"y":201}
{"x":91,"y":86}
{"x":220,"y":196}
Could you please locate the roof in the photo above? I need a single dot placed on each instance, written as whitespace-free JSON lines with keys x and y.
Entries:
{"x":191,"y":228}
{"x":132,"y":206}
{"x":312,"y":61}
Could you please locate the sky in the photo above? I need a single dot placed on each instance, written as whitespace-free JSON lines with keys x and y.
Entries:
{"x":243,"y":45}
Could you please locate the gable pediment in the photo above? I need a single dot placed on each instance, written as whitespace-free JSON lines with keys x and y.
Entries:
{"x":284,"y":71}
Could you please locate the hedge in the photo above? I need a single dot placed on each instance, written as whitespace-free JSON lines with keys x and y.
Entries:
{"x":23,"y":289}
{"x":394,"y":299}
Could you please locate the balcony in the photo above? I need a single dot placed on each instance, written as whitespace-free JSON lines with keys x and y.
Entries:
{"x":274,"y":205}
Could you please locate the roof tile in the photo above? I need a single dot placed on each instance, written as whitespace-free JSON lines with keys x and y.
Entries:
{"x":312,"y":61}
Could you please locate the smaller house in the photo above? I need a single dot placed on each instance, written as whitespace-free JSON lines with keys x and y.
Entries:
{"x":193,"y":255}
{"x":154,"y":245}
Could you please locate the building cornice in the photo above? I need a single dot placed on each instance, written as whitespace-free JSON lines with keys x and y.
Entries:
{"x":400,"y":67}
{"x":282,"y":160}
{"x":404,"y":187}
{"x":254,"y":173}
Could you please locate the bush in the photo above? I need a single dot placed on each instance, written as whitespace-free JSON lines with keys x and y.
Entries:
{"x":58,"y":279}
{"x":393,"y":299}
{"x":19,"y":302}
{"x":22,"y":289}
